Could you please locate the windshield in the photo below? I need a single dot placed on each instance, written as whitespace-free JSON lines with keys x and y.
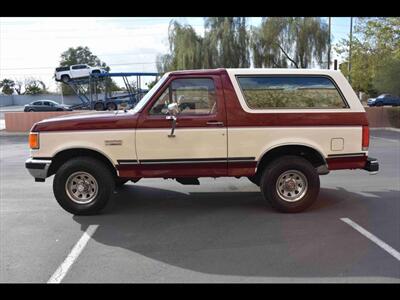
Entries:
{"x":149,"y":94}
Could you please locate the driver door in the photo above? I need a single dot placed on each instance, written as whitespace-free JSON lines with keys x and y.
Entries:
{"x":198,"y":146}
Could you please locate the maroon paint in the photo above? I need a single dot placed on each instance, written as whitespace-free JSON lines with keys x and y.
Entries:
{"x":173,"y":170}
{"x":242,"y":168}
{"x":91,"y":121}
{"x":341,"y":163}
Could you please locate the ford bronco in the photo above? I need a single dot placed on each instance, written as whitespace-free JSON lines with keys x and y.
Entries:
{"x":280,"y":128}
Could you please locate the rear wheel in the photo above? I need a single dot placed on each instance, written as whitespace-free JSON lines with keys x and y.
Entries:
{"x":99,"y":106}
{"x":83,"y":186}
{"x":290,"y":183}
{"x":111,"y":106}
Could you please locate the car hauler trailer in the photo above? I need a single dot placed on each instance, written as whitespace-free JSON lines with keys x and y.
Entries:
{"x":95,"y":90}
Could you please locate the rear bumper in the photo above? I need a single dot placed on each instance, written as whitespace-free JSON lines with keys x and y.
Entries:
{"x":38,"y":168}
{"x":371,"y":165}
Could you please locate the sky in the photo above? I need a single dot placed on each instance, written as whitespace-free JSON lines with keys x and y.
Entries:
{"x":31,"y":47}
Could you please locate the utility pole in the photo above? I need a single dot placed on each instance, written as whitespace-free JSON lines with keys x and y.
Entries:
{"x":351,"y":38}
{"x":329,"y":46}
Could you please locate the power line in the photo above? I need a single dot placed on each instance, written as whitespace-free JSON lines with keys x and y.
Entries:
{"x":122,"y":64}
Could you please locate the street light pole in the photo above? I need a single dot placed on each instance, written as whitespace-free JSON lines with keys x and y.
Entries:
{"x":351,"y":38}
{"x":329,"y":46}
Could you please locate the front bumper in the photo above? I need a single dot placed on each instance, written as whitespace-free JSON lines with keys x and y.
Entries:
{"x":372,"y":165}
{"x":38,"y":168}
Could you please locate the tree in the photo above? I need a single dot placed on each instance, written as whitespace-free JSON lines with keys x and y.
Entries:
{"x":185,"y":49}
{"x":34,"y":87}
{"x":375,"y":55}
{"x":289,"y":42}
{"x":7,"y":86}
{"x":80,"y":55}
{"x":226,"y":42}
{"x":387,"y":78}
{"x":18,"y":86}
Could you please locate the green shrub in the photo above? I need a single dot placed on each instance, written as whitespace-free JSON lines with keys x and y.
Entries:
{"x":394,"y":116}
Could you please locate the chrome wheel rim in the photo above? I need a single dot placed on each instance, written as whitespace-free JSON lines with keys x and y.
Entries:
{"x":81,"y":187}
{"x":291,"y":185}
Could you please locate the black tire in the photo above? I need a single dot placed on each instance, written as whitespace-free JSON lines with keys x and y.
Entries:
{"x":99,"y":106}
{"x":104,"y":179}
{"x":379,"y":104}
{"x":278,"y":167}
{"x":31,"y":110}
{"x":111,"y":106}
{"x":65,"y":78}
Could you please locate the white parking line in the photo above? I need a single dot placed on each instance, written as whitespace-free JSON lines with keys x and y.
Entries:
{"x":73,"y":255}
{"x":373,"y":238}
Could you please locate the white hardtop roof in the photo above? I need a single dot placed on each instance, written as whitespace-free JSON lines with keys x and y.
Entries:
{"x":281,"y":71}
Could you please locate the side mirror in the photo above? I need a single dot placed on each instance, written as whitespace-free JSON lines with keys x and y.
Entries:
{"x":173,"y":109}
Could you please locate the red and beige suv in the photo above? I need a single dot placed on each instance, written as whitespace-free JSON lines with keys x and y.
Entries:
{"x":280,"y":128}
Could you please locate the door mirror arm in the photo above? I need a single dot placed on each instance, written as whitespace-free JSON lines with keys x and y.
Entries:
{"x":173,"y":111}
{"x":173,"y":118}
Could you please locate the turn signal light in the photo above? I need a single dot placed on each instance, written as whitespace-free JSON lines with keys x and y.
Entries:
{"x":34,"y":140}
{"x":365,"y":138}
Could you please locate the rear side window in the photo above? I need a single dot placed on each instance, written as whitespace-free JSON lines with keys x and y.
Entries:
{"x":77,"y":67}
{"x":266,"y":92}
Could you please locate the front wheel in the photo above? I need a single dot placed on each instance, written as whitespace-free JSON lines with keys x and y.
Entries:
{"x":290,"y":183}
{"x":83,"y":186}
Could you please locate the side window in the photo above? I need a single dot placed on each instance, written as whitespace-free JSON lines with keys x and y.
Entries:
{"x":78,"y":67}
{"x":195,"y":96}
{"x":266,"y":92}
{"x":46,"y":103}
{"x":161,"y":105}
{"x":37,"y":103}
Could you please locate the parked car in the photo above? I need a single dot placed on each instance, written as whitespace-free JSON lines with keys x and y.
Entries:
{"x":65,"y":74}
{"x":280,"y":128}
{"x":45,"y":105}
{"x":384,"y":99}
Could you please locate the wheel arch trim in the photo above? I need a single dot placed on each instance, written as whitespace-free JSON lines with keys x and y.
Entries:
{"x":288,"y":144}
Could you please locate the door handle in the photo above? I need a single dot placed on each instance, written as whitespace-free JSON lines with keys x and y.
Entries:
{"x":215,"y":123}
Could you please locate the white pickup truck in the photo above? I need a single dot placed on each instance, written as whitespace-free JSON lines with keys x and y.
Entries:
{"x":65,"y":74}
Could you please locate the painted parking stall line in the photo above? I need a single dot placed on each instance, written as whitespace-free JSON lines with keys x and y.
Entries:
{"x":373,"y":238}
{"x":62,"y":270}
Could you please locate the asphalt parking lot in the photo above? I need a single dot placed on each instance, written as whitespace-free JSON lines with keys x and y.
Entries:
{"x":221,"y":231}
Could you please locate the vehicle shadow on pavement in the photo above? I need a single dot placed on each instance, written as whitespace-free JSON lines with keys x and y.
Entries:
{"x":237,"y":233}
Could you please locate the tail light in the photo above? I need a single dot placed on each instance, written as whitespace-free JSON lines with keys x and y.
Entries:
{"x":365,"y":138}
{"x":34,"y":140}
